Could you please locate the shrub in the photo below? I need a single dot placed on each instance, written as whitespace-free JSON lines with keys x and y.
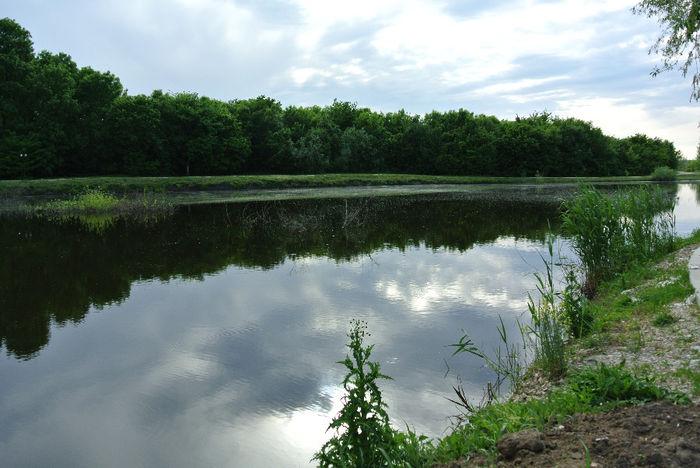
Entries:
{"x":693,"y":166}
{"x":664,"y":173}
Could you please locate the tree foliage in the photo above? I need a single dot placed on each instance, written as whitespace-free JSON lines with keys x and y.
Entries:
{"x":57,"y":119}
{"x":679,"y":42}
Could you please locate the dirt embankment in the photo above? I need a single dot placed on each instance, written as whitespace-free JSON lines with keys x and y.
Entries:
{"x":655,"y":434}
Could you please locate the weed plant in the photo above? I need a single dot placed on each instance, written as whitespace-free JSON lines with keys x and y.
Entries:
{"x":690,"y":375}
{"x":576,"y":309}
{"x":614,"y":384}
{"x":664,"y":318}
{"x":363,"y":435}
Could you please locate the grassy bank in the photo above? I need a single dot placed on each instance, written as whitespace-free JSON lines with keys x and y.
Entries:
{"x":625,"y":281}
{"x":645,"y":293}
{"x":74,"y":185}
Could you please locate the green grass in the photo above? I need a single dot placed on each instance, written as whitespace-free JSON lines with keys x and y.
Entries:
{"x":119,"y":184}
{"x":98,"y":210}
{"x":664,"y":318}
{"x":99,"y":201}
{"x":648,"y":292}
{"x":588,"y":390}
{"x":690,"y":375}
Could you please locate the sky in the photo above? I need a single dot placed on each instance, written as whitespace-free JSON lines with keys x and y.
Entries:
{"x":586,"y":59}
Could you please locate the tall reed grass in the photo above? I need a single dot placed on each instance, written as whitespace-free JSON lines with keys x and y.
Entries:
{"x":609,"y":231}
{"x":548,"y":319}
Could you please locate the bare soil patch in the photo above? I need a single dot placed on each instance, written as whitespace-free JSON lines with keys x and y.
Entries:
{"x":655,"y":434}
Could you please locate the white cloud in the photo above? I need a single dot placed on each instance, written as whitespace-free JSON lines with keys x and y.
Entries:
{"x":622,"y":118}
{"x":509,"y":87}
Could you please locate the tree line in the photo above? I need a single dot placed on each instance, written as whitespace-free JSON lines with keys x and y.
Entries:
{"x":57,"y":119}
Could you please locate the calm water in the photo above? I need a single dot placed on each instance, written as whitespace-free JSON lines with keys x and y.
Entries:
{"x":210,"y":338}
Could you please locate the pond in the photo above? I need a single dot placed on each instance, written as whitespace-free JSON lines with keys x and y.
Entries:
{"x":210,"y":337}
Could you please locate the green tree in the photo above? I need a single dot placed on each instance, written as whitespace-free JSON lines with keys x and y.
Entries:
{"x":16,"y":55}
{"x":52,"y":83}
{"x":311,"y":153}
{"x":373,"y":124}
{"x":18,"y":146}
{"x":133,"y":140}
{"x":644,"y":154}
{"x":357,"y":150}
{"x":583,"y":149}
{"x":679,"y":42}
{"x":201,"y":135}
{"x":261,"y":120}
{"x":94,"y":94}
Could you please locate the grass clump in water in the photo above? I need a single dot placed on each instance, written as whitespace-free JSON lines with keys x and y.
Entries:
{"x":98,"y":210}
{"x":96,"y":200}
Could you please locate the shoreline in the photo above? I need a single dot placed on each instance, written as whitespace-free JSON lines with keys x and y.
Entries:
{"x":667,"y":355}
{"x":658,"y":351}
{"x":247,"y":183}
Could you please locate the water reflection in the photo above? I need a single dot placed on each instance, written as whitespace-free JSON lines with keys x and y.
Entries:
{"x":57,"y":271}
{"x":211,"y":337}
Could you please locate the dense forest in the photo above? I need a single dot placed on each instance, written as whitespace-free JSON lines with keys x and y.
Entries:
{"x":60,"y":120}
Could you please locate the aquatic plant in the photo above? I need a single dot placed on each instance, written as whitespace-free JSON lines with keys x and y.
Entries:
{"x":98,"y":210}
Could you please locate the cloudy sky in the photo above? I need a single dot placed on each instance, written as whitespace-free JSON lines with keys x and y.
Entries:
{"x":575,"y":58}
